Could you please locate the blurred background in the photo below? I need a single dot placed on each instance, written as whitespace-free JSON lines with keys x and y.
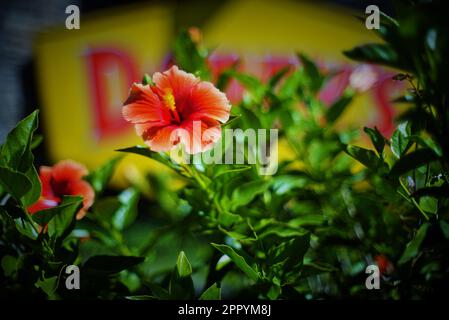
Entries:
{"x":80,"y":78}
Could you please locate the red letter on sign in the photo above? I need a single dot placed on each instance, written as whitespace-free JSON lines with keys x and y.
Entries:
{"x":111,"y":73}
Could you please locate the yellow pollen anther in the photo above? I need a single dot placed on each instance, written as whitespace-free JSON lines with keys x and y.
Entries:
{"x":169,"y":99}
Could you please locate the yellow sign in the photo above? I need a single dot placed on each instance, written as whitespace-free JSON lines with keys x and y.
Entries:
{"x":85,"y":74}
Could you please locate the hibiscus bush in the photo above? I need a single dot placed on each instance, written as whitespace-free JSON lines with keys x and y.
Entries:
{"x":306,"y":230}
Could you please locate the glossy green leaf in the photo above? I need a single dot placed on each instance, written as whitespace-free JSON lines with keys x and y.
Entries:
{"x":61,"y":219}
{"x":27,"y":228}
{"x":290,"y":253}
{"x":49,"y":286}
{"x":224,"y":169}
{"x":183,"y":265}
{"x":15,"y":183}
{"x":15,"y":151}
{"x":147,"y":80}
{"x":189,"y":57}
{"x":367,"y":158}
{"x":9,"y":265}
{"x":337,"y":108}
{"x":238,"y":260}
{"x":312,"y":72}
{"x":376,"y":53}
{"x":245,"y":193}
{"x":377,"y":139}
{"x":428,"y":204}
{"x":181,"y":283}
{"x":412,"y":161}
{"x":401,"y":140}
{"x":413,"y":246}
{"x":159,"y":157}
{"x":278,"y":76}
{"x":16,"y":156}
{"x":212,"y":293}
{"x":127,"y":212}
{"x":100,"y":177}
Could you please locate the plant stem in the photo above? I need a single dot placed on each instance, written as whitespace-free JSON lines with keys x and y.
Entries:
{"x":413,"y":199}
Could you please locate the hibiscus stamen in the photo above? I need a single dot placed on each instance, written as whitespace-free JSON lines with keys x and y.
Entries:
{"x":169,"y":101}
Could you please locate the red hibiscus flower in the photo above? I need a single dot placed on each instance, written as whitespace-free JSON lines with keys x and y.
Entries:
{"x":64,"y":178}
{"x":175,"y":107}
{"x":384,"y":265}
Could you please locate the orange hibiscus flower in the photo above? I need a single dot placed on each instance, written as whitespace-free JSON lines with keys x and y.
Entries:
{"x":64,"y":178}
{"x":177,"y":108}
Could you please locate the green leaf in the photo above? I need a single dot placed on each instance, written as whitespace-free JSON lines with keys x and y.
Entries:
{"x":37,"y":140}
{"x":100,"y":177}
{"x":367,"y":158}
{"x":224,"y":169}
{"x":238,"y":260}
{"x":60,"y":219}
{"x":429,"y":143}
{"x":312,"y":72}
{"x":413,"y":246}
{"x":245,"y":193}
{"x":183,"y":265}
{"x":274,"y":80}
{"x":188,"y":56}
{"x":33,"y":195}
{"x":232,"y":119}
{"x":227,"y":219}
{"x":160,"y":157}
{"x":158,"y":291}
{"x":412,"y":161}
{"x":26,"y":228}
{"x":49,"y":286}
{"x":248,"y":81}
{"x":283,"y":231}
{"x":147,"y":80}
{"x":290,"y":253}
{"x":212,"y":293}
{"x":283,"y":184}
{"x":127,"y":212}
{"x":45,"y":216}
{"x":105,"y":208}
{"x":444,"y":228}
{"x":15,"y":183}
{"x":377,"y":139}
{"x":9,"y":265}
{"x":16,"y":155}
{"x":15,"y":151}
{"x":249,"y":119}
{"x":111,"y":264}
{"x":140,"y":297}
{"x":428,"y":204}
{"x":400,"y":140}
{"x":337,"y":108}
{"x":376,"y":54}
{"x":181,"y":283}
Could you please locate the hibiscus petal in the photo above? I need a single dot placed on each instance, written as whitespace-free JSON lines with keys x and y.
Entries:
{"x":42,"y":204}
{"x":84,"y":189}
{"x":180,"y":82}
{"x":202,"y":134}
{"x":45,"y":176}
{"x":159,"y":138}
{"x":143,"y":105}
{"x":68,"y":170}
{"x":208,"y":101}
